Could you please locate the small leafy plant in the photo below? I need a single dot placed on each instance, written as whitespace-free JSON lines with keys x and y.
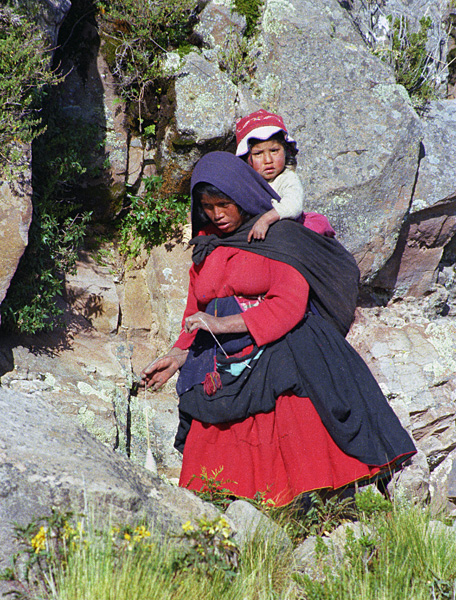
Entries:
{"x":152,"y":219}
{"x":251,"y":9}
{"x":137,"y":35}
{"x":408,"y":56}
{"x":214,"y":489}
{"x":236,"y":60}
{"x":24,"y":64}
{"x":44,"y":543}
{"x":368,"y":502}
{"x":315,"y":515}
{"x":212,"y":550}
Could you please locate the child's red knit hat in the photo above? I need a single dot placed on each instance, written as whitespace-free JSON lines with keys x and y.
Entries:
{"x":260,"y":125}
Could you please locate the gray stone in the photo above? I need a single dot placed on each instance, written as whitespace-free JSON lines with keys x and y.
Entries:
{"x":414,"y":266}
{"x":437,"y":529}
{"x":250,"y":522}
{"x":413,"y":482}
{"x":411,"y":353}
{"x":308,"y":560}
{"x":91,"y":292}
{"x":204,"y":102}
{"x":215,"y":21}
{"x":204,"y":112}
{"x":317,"y":556}
{"x":15,"y":219}
{"x":135,"y":162}
{"x":49,"y":16}
{"x":443,"y":486}
{"x":46,"y":461}
{"x":436,"y":180}
{"x":357,"y":131}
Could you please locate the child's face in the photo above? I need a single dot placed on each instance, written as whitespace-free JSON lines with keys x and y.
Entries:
{"x":268,"y":159}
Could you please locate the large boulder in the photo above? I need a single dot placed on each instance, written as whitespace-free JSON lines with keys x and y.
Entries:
{"x":376,"y":23}
{"x":436,"y":181}
{"x":431,"y":223}
{"x":46,"y":461}
{"x":204,"y":115}
{"x":410,"y":349}
{"x":15,"y":219}
{"x":358,"y":134}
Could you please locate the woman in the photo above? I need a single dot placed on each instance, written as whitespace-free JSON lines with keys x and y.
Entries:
{"x":272,"y":397}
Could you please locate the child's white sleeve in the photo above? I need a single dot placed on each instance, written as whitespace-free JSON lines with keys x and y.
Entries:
{"x":291,"y":193}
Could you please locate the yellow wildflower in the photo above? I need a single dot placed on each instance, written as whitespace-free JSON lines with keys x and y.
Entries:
{"x":140,"y":533}
{"x":39,"y":541}
{"x":187,"y":526}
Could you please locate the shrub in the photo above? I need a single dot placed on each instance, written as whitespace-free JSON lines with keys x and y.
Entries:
{"x":212,"y":550}
{"x":24,"y":64}
{"x":58,"y":226}
{"x":251,"y":9}
{"x":137,"y":35}
{"x":152,"y":219}
{"x":408,"y":56}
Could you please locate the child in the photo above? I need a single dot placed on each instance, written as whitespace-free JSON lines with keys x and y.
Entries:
{"x":264,"y":142}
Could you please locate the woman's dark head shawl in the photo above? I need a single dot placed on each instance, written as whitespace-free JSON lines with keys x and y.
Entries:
{"x":235,"y":178}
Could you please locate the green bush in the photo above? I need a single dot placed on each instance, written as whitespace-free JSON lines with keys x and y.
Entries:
{"x":137,"y":35}
{"x":408,"y":56}
{"x":59,"y":224}
{"x":251,"y":9}
{"x":24,"y":64}
{"x":152,"y":219}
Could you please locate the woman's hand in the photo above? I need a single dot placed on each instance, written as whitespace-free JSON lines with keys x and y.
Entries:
{"x":215,"y":325}
{"x":161,"y":369}
{"x":202,"y":320}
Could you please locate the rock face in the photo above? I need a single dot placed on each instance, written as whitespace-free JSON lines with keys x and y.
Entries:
{"x":358,"y":135}
{"x":45,"y":462}
{"x":410,"y":348}
{"x":204,"y":115}
{"x":383,"y":176}
{"x":375,"y":22}
{"x":50,"y":16}
{"x":366,"y":160}
{"x":92,"y":293}
{"x":15,"y":218}
{"x":436,"y":183}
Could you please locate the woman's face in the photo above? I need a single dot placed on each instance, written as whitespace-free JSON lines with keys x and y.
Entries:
{"x":223,"y":213}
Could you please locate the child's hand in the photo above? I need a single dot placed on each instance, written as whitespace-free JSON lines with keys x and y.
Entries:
{"x":259,"y":230}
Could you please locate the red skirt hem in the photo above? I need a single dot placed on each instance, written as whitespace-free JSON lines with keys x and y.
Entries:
{"x":275,"y":456}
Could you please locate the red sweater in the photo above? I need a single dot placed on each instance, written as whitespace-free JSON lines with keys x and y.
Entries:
{"x":233,"y":272}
